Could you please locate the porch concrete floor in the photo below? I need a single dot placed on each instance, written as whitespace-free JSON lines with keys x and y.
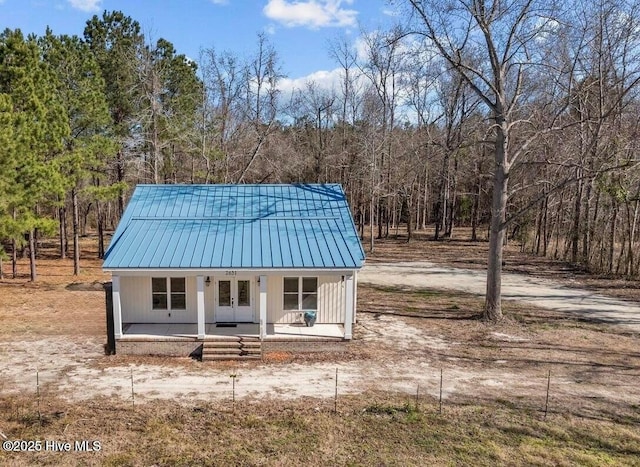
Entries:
{"x":274,"y":331}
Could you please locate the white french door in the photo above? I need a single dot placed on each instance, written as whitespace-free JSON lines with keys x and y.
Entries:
{"x":234,"y":300}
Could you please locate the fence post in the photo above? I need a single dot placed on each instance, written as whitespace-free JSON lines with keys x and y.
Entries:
{"x":440,"y":410}
{"x":546,"y":402}
{"x":335,"y":398}
{"x":38,"y":395}
{"x":233,"y":391}
{"x":133,"y":397}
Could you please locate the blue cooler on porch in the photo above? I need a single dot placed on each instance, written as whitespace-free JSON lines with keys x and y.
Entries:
{"x":310,"y":318}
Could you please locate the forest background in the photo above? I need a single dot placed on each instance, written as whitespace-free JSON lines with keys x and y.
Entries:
{"x":517,"y":118}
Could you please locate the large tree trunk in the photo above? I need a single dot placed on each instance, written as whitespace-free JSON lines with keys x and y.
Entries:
{"x":493,"y":302}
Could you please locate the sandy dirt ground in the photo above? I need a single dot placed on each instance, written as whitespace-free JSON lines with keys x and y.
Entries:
{"x":403,"y":341}
{"x":78,"y":370}
{"x":398,"y":354}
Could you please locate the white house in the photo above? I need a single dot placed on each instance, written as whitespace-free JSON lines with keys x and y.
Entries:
{"x":190,"y":262}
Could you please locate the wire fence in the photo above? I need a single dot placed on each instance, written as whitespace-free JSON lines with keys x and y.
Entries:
{"x":551,"y":393}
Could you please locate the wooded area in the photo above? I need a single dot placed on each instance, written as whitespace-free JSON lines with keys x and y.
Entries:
{"x":518,"y":118}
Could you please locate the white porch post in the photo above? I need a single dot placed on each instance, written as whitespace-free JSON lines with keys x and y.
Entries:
{"x":117,"y":307}
{"x":263,"y":307}
{"x":355,"y":295}
{"x":349,"y":306}
{"x":200,"y":305}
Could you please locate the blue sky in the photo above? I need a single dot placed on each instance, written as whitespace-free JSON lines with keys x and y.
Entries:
{"x":298,"y":29}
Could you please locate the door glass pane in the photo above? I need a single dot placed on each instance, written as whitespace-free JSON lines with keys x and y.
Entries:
{"x":244,"y":293}
{"x":224,"y":293}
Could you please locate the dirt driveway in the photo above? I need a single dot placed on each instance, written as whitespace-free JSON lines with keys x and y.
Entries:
{"x":539,"y":292}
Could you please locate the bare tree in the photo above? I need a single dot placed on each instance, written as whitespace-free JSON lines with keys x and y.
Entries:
{"x":261,"y":98}
{"x":494,"y":48}
{"x":222,"y":110}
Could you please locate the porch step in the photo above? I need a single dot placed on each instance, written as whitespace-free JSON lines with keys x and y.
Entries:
{"x":236,"y":348}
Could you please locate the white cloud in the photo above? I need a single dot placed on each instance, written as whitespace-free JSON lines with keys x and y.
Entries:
{"x":325,"y":80}
{"x":311,"y":13}
{"x":219,"y":2}
{"x":86,"y":5}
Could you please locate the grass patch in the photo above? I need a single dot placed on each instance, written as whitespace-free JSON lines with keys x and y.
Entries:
{"x":423,"y":302}
{"x":390,"y":431}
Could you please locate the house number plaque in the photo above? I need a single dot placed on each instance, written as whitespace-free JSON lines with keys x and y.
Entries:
{"x":230,"y":273}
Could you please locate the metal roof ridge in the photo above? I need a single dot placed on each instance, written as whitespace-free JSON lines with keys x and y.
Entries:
{"x":226,"y":218}
{"x":296,"y":184}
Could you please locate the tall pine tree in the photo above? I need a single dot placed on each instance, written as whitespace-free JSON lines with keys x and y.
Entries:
{"x":81,"y":91}
{"x":38,"y":126}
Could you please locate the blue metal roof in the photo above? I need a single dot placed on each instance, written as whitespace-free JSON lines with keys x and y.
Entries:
{"x":236,"y":227}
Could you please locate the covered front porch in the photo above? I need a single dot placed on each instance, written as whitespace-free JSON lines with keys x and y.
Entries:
{"x":225,"y":342}
{"x":292,"y":331}
{"x":201,"y":318}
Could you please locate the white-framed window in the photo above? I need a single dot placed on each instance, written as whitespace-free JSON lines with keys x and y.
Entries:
{"x":168,"y":293}
{"x":300,"y":293}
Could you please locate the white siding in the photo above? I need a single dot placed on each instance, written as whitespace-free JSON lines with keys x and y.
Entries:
{"x":136,"y":302}
{"x":209,"y":297}
{"x":330,"y":301}
{"x":274,"y":302}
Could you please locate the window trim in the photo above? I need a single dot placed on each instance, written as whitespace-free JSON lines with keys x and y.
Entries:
{"x":168,"y":293}
{"x":299,"y":292}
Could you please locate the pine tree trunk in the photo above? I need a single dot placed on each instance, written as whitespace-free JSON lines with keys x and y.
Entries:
{"x":14,"y":259}
{"x":76,"y":239}
{"x":120,"y":172}
{"x":32,"y":255}
{"x":63,"y":233}
{"x":100,"y":230}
